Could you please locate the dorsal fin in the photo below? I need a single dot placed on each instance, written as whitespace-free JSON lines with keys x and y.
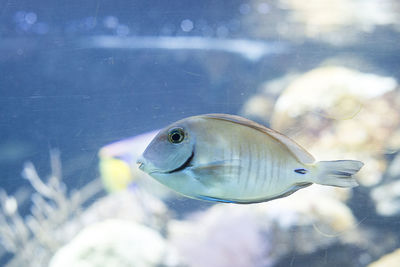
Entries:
{"x":300,"y":153}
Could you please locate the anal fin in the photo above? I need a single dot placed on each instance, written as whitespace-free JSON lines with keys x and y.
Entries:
{"x":214,"y":199}
{"x":286,"y":193}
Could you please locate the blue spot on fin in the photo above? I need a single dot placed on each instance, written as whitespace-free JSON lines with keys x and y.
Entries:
{"x":206,"y":198}
{"x":301,"y":171}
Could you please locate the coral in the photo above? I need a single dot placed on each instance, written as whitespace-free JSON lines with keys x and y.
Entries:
{"x":33,"y":239}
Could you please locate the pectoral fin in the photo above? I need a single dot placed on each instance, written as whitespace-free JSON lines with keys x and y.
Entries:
{"x":215,"y":172}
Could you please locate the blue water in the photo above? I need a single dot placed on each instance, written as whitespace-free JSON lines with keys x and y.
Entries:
{"x":56,"y":92}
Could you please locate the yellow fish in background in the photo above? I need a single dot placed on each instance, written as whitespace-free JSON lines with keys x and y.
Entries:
{"x":115,"y":174}
{"x":227,"y":158}
{"x":116,"y":161}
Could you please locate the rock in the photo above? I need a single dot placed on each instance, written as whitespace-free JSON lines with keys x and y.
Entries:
{"x":387,"y":196}
{"x":260,"y":107}
{"x":113,"y":243}
{"x":137,"y":206}
{"x":256,"y":105}
{"x":336,"y":112}
{"x":389,"y":260}
{"x":221,"y":236}
{"x":260,"y":234}
{"x":334,"y":22}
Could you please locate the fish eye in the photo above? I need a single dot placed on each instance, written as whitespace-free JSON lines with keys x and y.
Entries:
{"x":176,"y":135}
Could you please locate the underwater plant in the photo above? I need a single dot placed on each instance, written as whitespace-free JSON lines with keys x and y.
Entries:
{"x":32,"y":239}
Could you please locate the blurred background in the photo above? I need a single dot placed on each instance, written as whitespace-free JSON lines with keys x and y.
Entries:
{"x":78,"y":76}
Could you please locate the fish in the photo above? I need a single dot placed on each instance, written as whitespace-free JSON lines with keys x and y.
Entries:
{"x":230,"y":159}
{"x":117,"y":162}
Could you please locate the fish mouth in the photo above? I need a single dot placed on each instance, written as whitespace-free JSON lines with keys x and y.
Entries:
{"x":142,"y":166}
{"x":140,"y":163}
{"x":186,"y":164}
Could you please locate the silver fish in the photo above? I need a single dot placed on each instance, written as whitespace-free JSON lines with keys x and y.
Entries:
{"x":227,"y":158}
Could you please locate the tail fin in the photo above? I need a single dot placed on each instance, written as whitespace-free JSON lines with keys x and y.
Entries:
{"x":337,"y":173}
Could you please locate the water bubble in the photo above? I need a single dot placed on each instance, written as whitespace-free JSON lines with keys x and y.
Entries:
{"x":30,"y":18}
{"x":110,"y":22}
{"x":122,"y":30}
{"x":187,"y":25}
{"x":20,"y":19}
{"x":244,"y":9}
{"x":263,"y":8}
